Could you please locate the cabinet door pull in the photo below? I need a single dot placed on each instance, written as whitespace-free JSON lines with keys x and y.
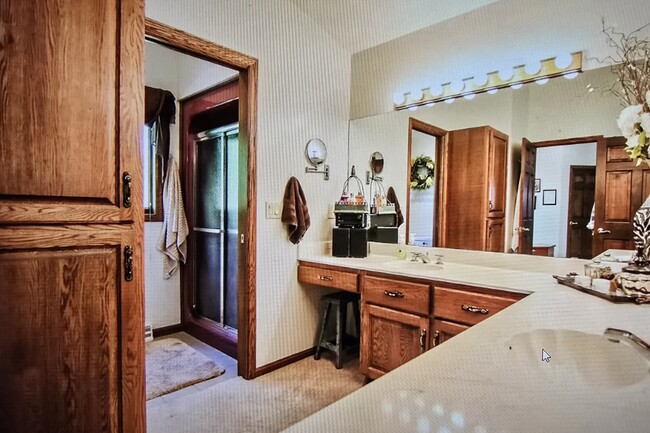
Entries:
{"x":423,"y":339}
{"x":128,"y":263}
{"x":325,"y":278}
{"x":490,"y":205}
{"x":393,"y":294}
{"x":126,"y":189}
{"x":436,"y":337}
{"x":474,"y":309}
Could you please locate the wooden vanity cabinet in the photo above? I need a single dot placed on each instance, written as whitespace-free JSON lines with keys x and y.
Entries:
{"x":394,"y":322}
{"x":327,"y":276}
{"x":474,"y":191}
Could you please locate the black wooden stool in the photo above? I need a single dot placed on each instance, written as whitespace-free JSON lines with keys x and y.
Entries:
{"x":339,"y":301}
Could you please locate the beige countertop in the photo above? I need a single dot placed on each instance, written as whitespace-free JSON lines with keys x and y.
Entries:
{"x":491,"y":378}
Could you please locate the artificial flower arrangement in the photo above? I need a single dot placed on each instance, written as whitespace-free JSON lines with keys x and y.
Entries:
{"x":631,"y":64}
{"x":422,"y":172}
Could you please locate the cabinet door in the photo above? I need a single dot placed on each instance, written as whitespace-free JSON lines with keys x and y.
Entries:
{"x":495,"y":235}
{"x":443,"y":331}
{"x":390,"y":338}
{"x":497,"y":170}
{"x":71,"y":80}
{"x":72,"y":339}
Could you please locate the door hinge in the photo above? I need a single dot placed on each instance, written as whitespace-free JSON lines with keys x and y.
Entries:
{"x":128,"y":263}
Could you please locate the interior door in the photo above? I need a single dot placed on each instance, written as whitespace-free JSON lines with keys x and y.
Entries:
{"x":527,"y":197}
{"x":64,"y":66}
{"x":582,"y":184}
{"x":621,"y":188}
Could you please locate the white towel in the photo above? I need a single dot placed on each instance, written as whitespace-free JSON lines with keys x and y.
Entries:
{"x":174,"y":231}
{"x":514,"y":244}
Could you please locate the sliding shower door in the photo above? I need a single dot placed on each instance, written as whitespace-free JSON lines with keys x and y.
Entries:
{"x":214,"y":227}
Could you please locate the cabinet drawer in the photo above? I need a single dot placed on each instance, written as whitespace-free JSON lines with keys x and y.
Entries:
{"x":343,"y":280}
{"x":402,"y":295}
{"x":467,"y":307}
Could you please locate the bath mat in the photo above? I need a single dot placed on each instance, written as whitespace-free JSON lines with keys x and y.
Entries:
{"x":172,"y":365}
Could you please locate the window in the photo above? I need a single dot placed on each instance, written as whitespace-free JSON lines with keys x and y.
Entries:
{"x":151,"y":176}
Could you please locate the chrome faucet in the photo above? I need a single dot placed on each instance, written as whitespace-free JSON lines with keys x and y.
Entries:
{"x":422,"y":256}
{"x":622,"y":336}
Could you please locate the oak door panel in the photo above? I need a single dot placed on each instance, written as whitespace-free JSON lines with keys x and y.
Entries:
{"x":442,"y":330}
{"x":582,"y":181}
{"x":73,"y":331}
{"x":497,"y":169}
{"x":495,"y":233}
{"x":390,"y":338}
{"x":621,"y":188}
{"x":65,"y":140}
{"x":526,"y":197}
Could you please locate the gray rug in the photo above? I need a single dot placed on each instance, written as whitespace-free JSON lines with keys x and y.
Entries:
{"x":172,"y":365}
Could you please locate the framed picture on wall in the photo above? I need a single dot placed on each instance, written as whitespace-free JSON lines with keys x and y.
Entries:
{"x":549,"y":197}
{"x":538,"y":185}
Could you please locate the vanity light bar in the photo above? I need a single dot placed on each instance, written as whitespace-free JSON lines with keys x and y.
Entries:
{"x":548,"y":69}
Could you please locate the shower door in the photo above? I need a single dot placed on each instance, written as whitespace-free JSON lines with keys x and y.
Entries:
{"x":214,"y":226}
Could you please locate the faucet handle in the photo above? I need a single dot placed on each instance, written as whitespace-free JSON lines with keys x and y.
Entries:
{"x":439,"y":259}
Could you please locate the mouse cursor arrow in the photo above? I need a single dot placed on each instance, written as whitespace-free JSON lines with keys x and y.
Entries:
{"x":545,"y":356}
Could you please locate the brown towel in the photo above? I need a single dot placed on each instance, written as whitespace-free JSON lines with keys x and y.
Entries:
{"x":294,"y":211}
{"x":392,"y":198}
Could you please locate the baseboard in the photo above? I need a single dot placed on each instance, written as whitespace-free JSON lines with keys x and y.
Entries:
{"x":284,"y":362}
{"x":166,"y":330}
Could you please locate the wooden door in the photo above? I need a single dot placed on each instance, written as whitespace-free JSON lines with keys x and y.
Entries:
{"x":65,"y":144}
{"x":582,"y":184}
{"x":71,"y":80}
{"x":72,"y":342}
{"x":526,"y":197}
{"x":621,"y":188}
{"x":442,"y":330}
{"x":497,"y":174}
{"x":495,"y":235}
{"x":390,"y":338}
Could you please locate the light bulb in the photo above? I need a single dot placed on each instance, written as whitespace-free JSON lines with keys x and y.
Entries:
{"x":430,"y":104}
{"x":416,"y":94}
{"x":449,"y":100}
{"x":480,"y":79}
{"x":493,"y":91}
{"x":571,"y":75}
{"x":516,"y":86}
{"x":542,"y":80}
{"x":506,"y":74}
{"x":533,"y":67}
{"x":398,"y":98}
{"x":470,"y":96}
{"x":563,"y":60}
{"x":457,"y":86}
{"x":413,"y":107}
{"x":435,"y":90}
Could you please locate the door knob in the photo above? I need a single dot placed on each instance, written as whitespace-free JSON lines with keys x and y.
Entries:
{"x":524,"y":229}
{"x":602,"y":231}
{"x":573,"y":223}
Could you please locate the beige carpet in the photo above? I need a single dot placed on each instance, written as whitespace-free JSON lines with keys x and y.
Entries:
{"x":172,"y":365}
{"x":269,"y":403}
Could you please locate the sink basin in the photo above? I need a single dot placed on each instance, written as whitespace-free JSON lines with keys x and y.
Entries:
{"x":409,"y":265}
{"x":577,"y":359}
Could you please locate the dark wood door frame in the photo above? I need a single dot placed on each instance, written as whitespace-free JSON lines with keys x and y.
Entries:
{"x":552,"y":143}
{"x":569,"y":238}
{"x":441,"y":143}
{"x":247,"y":67}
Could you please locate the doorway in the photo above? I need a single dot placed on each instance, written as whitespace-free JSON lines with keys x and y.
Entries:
{"x":206,"y":140}
{"x":425,"y":143}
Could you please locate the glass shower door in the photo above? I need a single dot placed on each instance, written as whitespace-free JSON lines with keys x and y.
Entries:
{"x":215,"y":226}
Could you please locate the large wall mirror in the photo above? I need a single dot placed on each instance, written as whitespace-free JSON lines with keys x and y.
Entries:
{"x":554,"y":113}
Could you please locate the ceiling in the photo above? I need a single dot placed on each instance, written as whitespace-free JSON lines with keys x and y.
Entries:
{"x":361,"y":24}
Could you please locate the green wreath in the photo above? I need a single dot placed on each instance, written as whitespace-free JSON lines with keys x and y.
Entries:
{"x":422,"y":172}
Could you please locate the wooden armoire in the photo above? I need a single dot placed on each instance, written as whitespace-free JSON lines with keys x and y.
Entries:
{"x":473,"y":201}
{"x":71,"y":218}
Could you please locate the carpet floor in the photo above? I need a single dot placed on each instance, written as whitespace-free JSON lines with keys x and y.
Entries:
{"x":172,"y":365}
{"x":269,"y":403}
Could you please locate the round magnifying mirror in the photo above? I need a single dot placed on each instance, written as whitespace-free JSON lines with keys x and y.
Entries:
{"x":316,"y":152}
{"x":376,"y":162}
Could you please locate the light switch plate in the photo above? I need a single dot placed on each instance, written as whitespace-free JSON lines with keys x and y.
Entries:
{"x":273,"y":210}
{"x":330,"y":211}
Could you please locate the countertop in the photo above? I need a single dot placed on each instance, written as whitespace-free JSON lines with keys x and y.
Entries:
{"x":488,"y":378}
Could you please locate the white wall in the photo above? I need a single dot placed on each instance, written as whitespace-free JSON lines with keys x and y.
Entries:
{"x":497,"y":36}
{"x":422,"y":200}
{"x":304,"y":92}
{"x":552,"y":168}
{"x":182,"y":75}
